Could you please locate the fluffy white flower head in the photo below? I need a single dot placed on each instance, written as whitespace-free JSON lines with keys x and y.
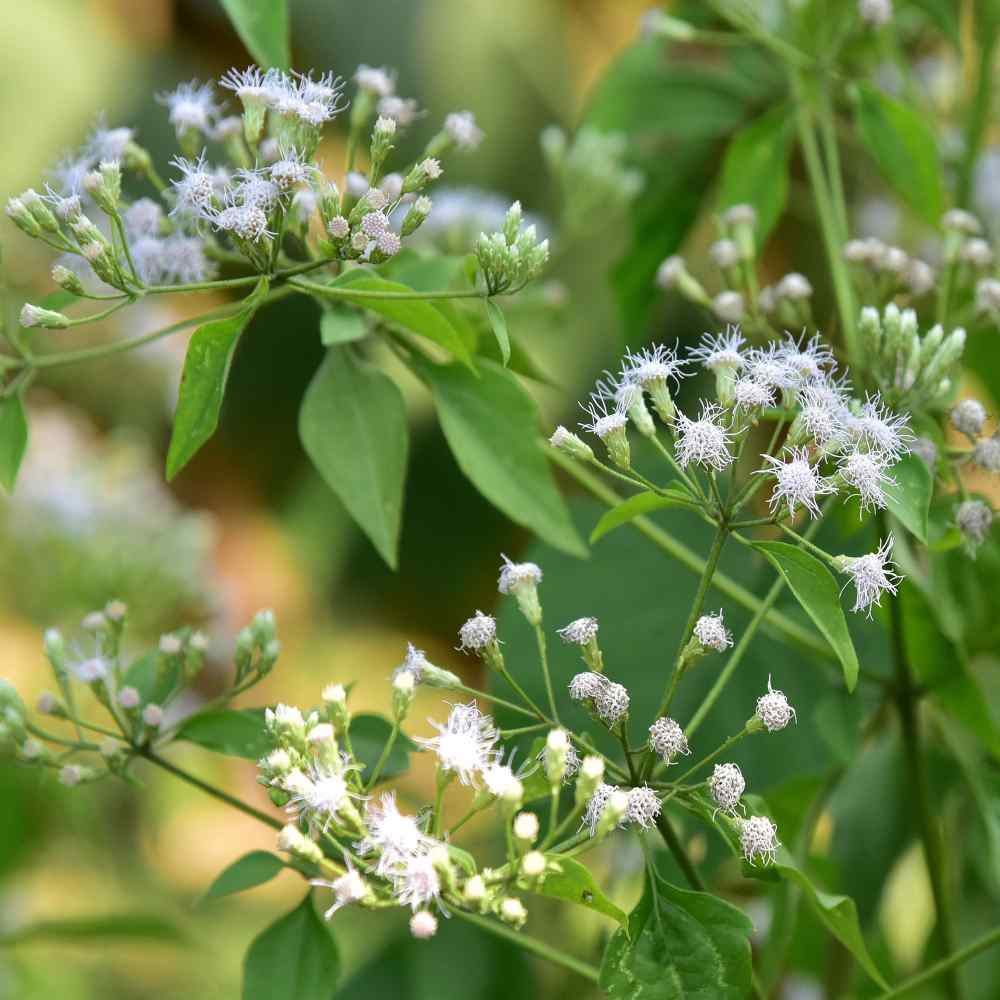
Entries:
{"x":704,"y":441}
{"x":643,"y":806}
{"x":727,"y":786}
{"x":612,"y":702}
{"x":773,"y":709}
{"x":865,"y":473}
{"x":721,"y":351}
{"x":798,"y":482}
{"x":759,"y":839}
{"x":667,"y":739}
{"x":514,"y":575}
{"x":465,"y":744}
{"x":477,"y":633}
{"x":392,"y":836}
{"x":711,"y":632}
{"x":579,"y":632}
{"x":872,"y":575}
{"x":587,"y":684}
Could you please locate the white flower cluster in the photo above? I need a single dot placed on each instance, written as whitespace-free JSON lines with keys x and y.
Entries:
{"x":608,"y":699}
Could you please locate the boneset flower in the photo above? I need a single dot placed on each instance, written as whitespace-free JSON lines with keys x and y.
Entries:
{"x":667,"y":739}
{"x":759,"y":839}
{"x":643,"y":807}
{"x":612,"y":702}
{"x":773,"y":709}
{"x":798,"y":482}
{"x":872,"y":576}
{"x":465,"y":744}
{"x":521,"y":580}
{"x":727,"y":786}
{"x":391,"y":836}
{"x":864,"y":472}
{"x":704,"y":441}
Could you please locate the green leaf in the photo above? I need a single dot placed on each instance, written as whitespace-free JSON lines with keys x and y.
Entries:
{"x":902,"y":145}
{"x":635,"y":506}
{"x":203,"y":381}
{"x":755,"y":168}
{"x":420,"y":316}
{"x":680,"y":945}
{"x":573,"y":882}
{"x":836,"y":913}
{"x":491,"y":425}
{"x":341,"y":325}
{"x":816,"y":590}
{"x":117,"y":925}
{"x":233,"y":731}
{"x":910,"y":499}
{"x":263,"y":28}
{"x":499,"y":324}
{"x":294,"y":959}
{"x":353,"y":426}
{"x":13,"y":439}
{"x":251,"y":870}
{"x":369,"y":734}
{"x":154,"y":676}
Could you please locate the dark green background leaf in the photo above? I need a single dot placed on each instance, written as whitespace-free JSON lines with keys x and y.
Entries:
{"x":237,"y":732}
{"x":263,"y":28}
{"x":251,"y":870}
{"x":341,"y":325}
{"x":13,"y":439}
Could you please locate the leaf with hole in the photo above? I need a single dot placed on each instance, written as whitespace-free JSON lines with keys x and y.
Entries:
{"x":568,"y":879}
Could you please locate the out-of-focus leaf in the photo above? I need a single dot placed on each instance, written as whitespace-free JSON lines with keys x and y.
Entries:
{"x":637,"y":504}
{"x":143,"y":926}
{"x":910,"y":498}
{"x":498,"y":322}
{"x":369,"y":734}
{"x":251,"y":870}
{"x":816,"y":590}
{"x":13,"y":439}
{"x":153,"y":676}
{"x":902,"y":145}
{"x":568,"y":879}
{"x":679,"y":944}
{"x":491,"y":425}
{"x":755,"y":168}
{"x":944,"y":15}
{"x":940,"y":667}
{"x":203,"y":381}
{"x":294,"y":959}
{"x":263,"y":28}
{"x":232,"y":731}
{"x":353,"y":426}
{"x":341,"y":325}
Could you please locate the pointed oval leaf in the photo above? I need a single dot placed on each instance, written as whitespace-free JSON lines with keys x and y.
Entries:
{"x":636,"y":505}
{"x":341,"y":325}
{"x":203,"y":381}
{"x":679,"y":945}
{"x":352,"y":424}
{"x":816,"y":590}
{"x":294,"y":959}
{"x":263,"y":28}
{"x":568,"y":879}
{"x":910,"y":499}
{"x":233,"y":731}
{"x":902,"y":145}
{"x":251,"y":870}
{"x":13,"y":439}
{"x":491,"y":425}
{"x":499,"y":324}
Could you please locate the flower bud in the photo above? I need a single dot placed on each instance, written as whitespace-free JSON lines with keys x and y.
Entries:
{"x":128,"y":698}
{"x":414,"y":219}
{"x":423,"y":925}
{"x":32,"y":315}
{"x":404,"y":685}
{"x":512,"y":912}
{"x":556,"y":752}
{"x":475,"y":890}
{"x":68,"y":280}
{"x":521,"y":580}
{"x":526,"y":828}
{"x":291,"y":840}
{"x":533,"y":865}
{"x":589,"y":778}
{"x":152,"y":715}
{"x":570,"y":443}
{"x":18,"y":213}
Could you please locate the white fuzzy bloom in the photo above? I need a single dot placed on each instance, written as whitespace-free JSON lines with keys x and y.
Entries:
{"x":388,"y":243}
{"x":423,"y":925}
{"x":587,"y":685}
{"x":864,"y":472}
{"x":499,"y":779}
{"x":143,"y":218}
{"x":376,"y":80}
{"x":606,"y":417}
{"x":465,"y":744}
{"x":759,"y":839}
{"x":533,"y":864}
{"x":128,"y":698}
{"x":348,"y":888}
{"x":392,"y":836}
{"x":879,"y":428}
{"x":749,"y":394}
{"x":417,"y":882}
{"x":987,"y":295}
{"x":724,"y":253}
{"x":729,"y":306}
{"x":711,"y":632}
{"x":773,"y":709}
{"x":773,"y":366}
{"x":579,"y":632}
{"x":373,"y":224}
{"x":974,"y":519}
{"x":704,"y":441}
{"x":798,"y":482}
{"x":808,"y":359}
{"x":462,"y":130}
{"x":152,"y":715}
{"x":512,"y":911}
{"x":526,"y":827}
{"x":959,"y":221}
{"x":249,"y":222}
{"x":291,"y":170}
{"x":338,"y":227}
{"x":191,"y":106}
{"x":612,"y":702}
{"x":196,"y":189}
{"x":322,"y":794}
{"x":653,"y":366}
{"x":872,"y":575}
{"x":431,"y":168}
{"x":823,"y":414}
{"x":721,"y":351}
{"x":727,"y":785}
{"x":667,"y":739}
{"x":643,"y":806}
{"x":968,"y":417}
{"x":514,"y":575}
{"x":402,"y":110}
{"x":477,"y":633}
{"x":986,"y":454}
{"x":920,"y":277}
{"x":596,"y":805}
{"x":89,"y":671}
{"x":794,"y":287}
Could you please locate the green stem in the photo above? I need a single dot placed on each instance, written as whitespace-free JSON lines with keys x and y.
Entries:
{"x":218,"y":793}
{"x":946,"y":965}
{"x":776,"y":623}
{"x":384,"y":756}
{"x":513,"y":706}
{"x":543,"y":656}
{"x":714,"y":755}
{"x":347,"y":292}
{"x":673,"y":842}
{"x":916,"y":764}
{"x":103,"y":314}
{"x":531,"y":944}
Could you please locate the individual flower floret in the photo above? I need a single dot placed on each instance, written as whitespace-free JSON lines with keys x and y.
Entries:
{"x":872,"y":575}
{"x":417,"y":882}
{"x":798,"y":482}
{"x":809,"y":359}
{"x":968,"y":417}
{"x":759,"y":839}
{"x":292,"y":169}
{"x":643,"y":806}
{"x":559,"y":756}
{"x":579,"y":632}
{"x":974,"y":519}
{"x":822,"y":416}
{"x":986,"y":453}
{"x":772,"y":366}
{"x":322,"y":795}
{"x":587,"y":686}
{"x":347,"y":888}
{"x":463,"y":131}
{"x":477,"y":633}
{"x":392,"y":836}
{"x":465,"y":744}
{"x":376,"y":80}
{"x":704,"y":441}
{"x":878,"y":427}
{"x":195,"y":191}
{"x":652,"y":369}
{"x":612,"y":702}
{"x":191,"y":107}
{"x":500,"y":780}
{"x":864,"y":472}
{"x":248,"y":222}
{"x":711,"y":632}
{"x":749,"y":394}
{"x":521,"y":581}
{"x":609,"y":422}
{"x":773,"y":709}
{"x":721,"y":350}
{"x":667,"y":739}
{"x":727,"y":786}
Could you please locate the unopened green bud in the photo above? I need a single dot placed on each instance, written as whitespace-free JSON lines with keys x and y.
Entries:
{"x":40,"y":212}
{"x":68,"y":280}
{"x":414,"y":218}
{"x":18,"y":213}
{"x":404,"y":686}
{"x":292,"y":841}
{"x":570,"y":443}
{"x":588,"y":779}
{"x":36,"y":316}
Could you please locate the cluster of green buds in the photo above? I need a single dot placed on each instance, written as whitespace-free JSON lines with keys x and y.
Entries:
{"x":512,"y":256}
{"x":911,"y":370}
{"x":592,"y":175}
{"x":257,"y":648}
